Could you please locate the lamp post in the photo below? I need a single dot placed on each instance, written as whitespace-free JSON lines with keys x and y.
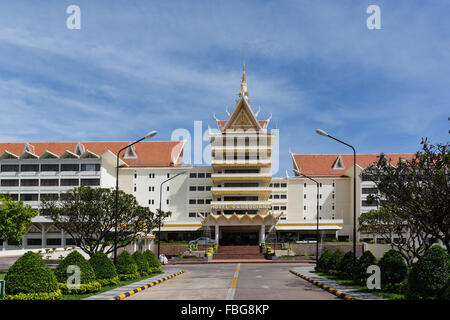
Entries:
{"x":323,"y":133}
{"x":147,"y":136}
{"x":317,"y":207}
{"x":159,"y":213}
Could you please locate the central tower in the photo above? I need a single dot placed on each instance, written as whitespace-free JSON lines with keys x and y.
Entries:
{"x":241,"y":161}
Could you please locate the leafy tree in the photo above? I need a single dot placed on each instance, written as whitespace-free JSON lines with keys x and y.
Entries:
{"x":322,"y":263}
{"x":87,"y":273}
{"x":360,"y":272}
{"x":14,"y":218}
{"x":347,"y":265}
{"x":419,"y":188}
{"x":393,"y":268}
{"x":389,"y":223}
{"x":89,"y":216}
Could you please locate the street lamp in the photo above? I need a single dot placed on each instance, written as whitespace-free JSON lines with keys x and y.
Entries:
{"x":323,"y":133}
{"x":317,"y":229}
{"x":147,"y":136}
{"x":159,"y":213}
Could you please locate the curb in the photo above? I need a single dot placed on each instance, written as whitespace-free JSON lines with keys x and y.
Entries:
{"x":337,"y":293}
{"x":149,"y":285}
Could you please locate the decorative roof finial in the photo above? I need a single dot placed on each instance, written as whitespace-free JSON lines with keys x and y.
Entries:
{"x":243,"y":91}
{"x":243,"y":73}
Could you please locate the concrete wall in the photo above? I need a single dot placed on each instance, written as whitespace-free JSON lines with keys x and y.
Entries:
{"x":310,"y":248}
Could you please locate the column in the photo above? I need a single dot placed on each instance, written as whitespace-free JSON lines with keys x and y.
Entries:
{"x":216,"y":233}
{"x":43,"y":236}
{"x":262,"y":234}
{"x":63,"y":239}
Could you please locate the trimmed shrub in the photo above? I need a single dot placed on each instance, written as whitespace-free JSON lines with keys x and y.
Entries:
{"x":83,"y":288}
{"x":446,"y":295}
{"x":393,"y":268}
{"x":360,"y":272}
{"x":103,"y":267}
{"x":430,"y":275}
{"x":30,"y":275}
{"x":126,"y":266}
{"x":322,"y":263}
{"x":347,"y":266}
{"x":153,"y":262}
{"x":335,"y":260}
{"x":141,"y":263}
{"x":87,"y":273}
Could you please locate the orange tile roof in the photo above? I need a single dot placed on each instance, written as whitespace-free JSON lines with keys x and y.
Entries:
{"x":149,"y":153}
{"x":322,"y":164}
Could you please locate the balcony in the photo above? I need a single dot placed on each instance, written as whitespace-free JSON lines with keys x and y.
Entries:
{"x":240,"y":190}
{"x":241,"y":162}
{"x":241,"y":176}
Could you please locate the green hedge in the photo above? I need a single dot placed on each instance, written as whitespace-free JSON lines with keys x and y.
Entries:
{"x":109,"y":282}
{"x":83,"y":288}
{"x":30,"y":275}
{"x":430,"y":275}
{"x":360,"y":271}
{"x":335,"y":261}
{"x":56,"y":295}
{"x":393,"y":268}
{"x":322,"y":263}
{"x":103,"y":266}
{"x":347,"y":266}
{"x":126,"y":266}
{"x":153,"y":262}
{"x":87,"y":274}
{"x":141,"y":262}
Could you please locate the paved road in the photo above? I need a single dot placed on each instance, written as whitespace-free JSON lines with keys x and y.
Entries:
{"x":235,"y":282}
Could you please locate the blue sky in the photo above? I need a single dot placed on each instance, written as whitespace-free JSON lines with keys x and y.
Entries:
{"x":137,"y":66}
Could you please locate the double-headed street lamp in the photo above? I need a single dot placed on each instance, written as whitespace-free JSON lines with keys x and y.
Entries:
{"x":323,"y":133}
{"x":160,"y":202}
{"x":147,"y":136}
{"x":317,"y":229}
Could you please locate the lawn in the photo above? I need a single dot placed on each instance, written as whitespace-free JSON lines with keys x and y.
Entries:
{"x":379,"y":293}
{"x":106,"y":288}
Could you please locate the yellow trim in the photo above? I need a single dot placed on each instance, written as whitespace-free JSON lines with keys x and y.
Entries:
{"x":246,"y":191}
{"x":307,"y":224}
{"x":182,"y":225}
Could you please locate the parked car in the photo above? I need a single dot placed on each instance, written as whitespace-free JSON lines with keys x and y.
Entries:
{"x":202,"y":240}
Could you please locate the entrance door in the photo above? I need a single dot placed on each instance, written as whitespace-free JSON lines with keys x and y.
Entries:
{"x":236,"y":238}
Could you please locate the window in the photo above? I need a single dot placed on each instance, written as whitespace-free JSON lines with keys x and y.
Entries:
{"x":282,"y":207}
{"x":304,"y":185}
{"x":369,"y":190}
{"x":10,"y":183}
{"x":333,"y":184}
{"x":208,"y":188}
{"x":14,"y":196}
{"x":208,"y":174}
{"x":304,"y":207}
{"x":69,"y":182}
{"x":200,"y":201}
{"x":208,"y":201}
{"x":135,"y":188}
{"x":34,"y":242}
{"x":94,"y":167}
{"x":50,"y":167}
{"x":29,"y":167}
{"x":284,"y":185}
{"x":284,"y":196}
{"x":49,"y":182}
{"x":151,"y":175}
{"x":276,"y":185}
{"x":54,"y":242}
{"x":276,"y":208}
{"x":168,"y":175}
{"x":321,"y":184}
{"x":193,"y":175}
{"x":29,"y":197}
{"x":304,"y":196}
{"x":192,"y":201}
{"x":320,"y":207}
{"x":90,"y":182}
{"x":167,"y":188}
{"x":201,"y":175}
{"x":70,"y":167}
{"x":332,"y":207}
{"x":29,"y":182}
{"x":167,"y":201}
{"x":135,"y":174}
{"x":200,"y":188}
{"x":320,"y":196}
{"x":10,"y":168}
{"x":192,"y":214}
{"x":276,"y":196}
{"x":192,"y":188}
{"x":49,"y":196}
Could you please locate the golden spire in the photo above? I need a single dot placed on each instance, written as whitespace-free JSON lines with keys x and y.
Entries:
{"x":243,"y":74}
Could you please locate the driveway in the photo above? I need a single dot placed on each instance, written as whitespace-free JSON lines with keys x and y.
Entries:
{"x":245,"y":281}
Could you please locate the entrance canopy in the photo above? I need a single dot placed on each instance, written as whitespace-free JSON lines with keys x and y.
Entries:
{"x":240,"y":219}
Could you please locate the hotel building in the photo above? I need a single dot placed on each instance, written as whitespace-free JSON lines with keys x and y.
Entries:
{"x":235,"y":200}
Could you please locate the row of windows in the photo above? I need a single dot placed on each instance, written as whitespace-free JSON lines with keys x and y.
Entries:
{"x":278,"y":196}
{"x":320,"y":207}
{"x":48,"y":182}
{"x":200,"y":201}
{"x":276,"y":208}
{"x":199,"y":188}
{"x":49,"y":242}
{"x":278,"y":185}
{"x":320,"y":196}
{"x":320,"y":184}
{"x":50,"y":167}
{"x":150,"y":175}
{"x":37,"y":196}
{"x":152,"y":201}
{"x":200,"y":175}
